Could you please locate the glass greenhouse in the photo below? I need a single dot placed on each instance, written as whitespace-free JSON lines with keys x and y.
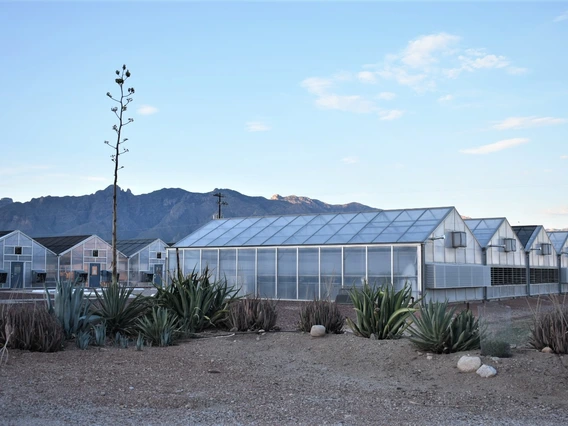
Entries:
{"x":146,"y":260}
{"x":85,"y":258}
{"x":24,"y":262}
{"x":301,"y":257}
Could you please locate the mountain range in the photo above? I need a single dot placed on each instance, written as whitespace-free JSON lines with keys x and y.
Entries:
{"x":169,"y":214}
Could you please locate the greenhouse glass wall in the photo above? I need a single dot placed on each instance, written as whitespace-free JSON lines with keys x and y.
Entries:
{"x":24,"y":262}
{"x":86,"y":259}
{"x":302,"y":257}
{"x":146,"y":261}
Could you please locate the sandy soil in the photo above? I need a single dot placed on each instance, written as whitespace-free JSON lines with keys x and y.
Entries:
{"x":280,"y":378}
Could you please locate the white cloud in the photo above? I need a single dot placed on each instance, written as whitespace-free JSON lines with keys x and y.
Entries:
{"x":564,"y":157}
{"x":392,"y":114}
{"x":147,"y":110}
{"x":257,"y":126}
{"x":316,"y":85}
{"x":494,"y":147}
{"x":524,"y":122}
{"x":561,"y":17}
{"x":517,"y":70}
{"x":387,"y":96}
{"x":350,"y":160}
{"x":483,"y":62}
{"x":367,"y":77}
{"x":558,"y":211}
{"x":353,"y":103}
{"x":423,"y":51}
{"x":445,"y":98}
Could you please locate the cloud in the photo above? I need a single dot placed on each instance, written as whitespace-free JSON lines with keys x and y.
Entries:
{"x":424,"y":50}
{"x":257,"y":126}
{"x":147,"y":110}
{"x":494,"y":147}
{"x":350,"y":160}
{"x":564,"y":157}
{"x":367,"y":77}
{"x":387,"y":96}
{"x":316,"y":85}
{"x":517,"y":70}
{"x":94,"y":178}
{"x":353,"y":103}
{"x":392,"y":114}
{"x":560,"y":211}
{"x":562,"y":17}
{"x":524,"y":122}
{"x":445,"y":98}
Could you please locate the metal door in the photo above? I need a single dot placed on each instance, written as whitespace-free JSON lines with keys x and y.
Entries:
{"x":94,"y":275}
{"x":158,"y":273}
{"x":17,"y":275}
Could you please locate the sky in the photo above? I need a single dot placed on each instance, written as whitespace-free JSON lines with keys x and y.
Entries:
{"x":393,"y":105}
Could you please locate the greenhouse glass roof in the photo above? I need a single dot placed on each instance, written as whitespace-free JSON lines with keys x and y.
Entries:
{"x":484,"y":229}
{"x":558,"y":239}
{"x":527,"y":234}
{"x":131,"y":247}
{"x":386,"y":226}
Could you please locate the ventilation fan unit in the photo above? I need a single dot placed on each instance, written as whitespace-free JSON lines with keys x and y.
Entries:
{"x":545,"y":249}
{"x":459,"y":239}
{"x":510,"y":244}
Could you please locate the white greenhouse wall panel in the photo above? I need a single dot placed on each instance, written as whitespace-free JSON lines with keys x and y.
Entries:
{"x":506,"y":291}
{"x":454,"y":276}
{"x":535,"y":256}
{"x":497,"y":256}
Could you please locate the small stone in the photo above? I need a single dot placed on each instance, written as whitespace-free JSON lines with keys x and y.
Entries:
{"x":373,"y":336}
{"x":213,"y":371}
{"x":234,"y":330}
{"x":495,"y":359}
{"x":131,"y":387}
{"x":467,"y":364}
{"x":103,"y":393}
{"x":428,"y":356}
{"x":547,"y":350}
{"x":486,"y":371}
{"x":317,"y":331}
{"x":261,"y":331}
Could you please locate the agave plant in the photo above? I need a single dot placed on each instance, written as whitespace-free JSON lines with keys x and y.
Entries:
{"x":70,"y":307}
{"x":159,"y":327}
{"x":119,"y":309}
{"x":381,"y":311}
{"x":197,"y":301}
{"x":437,"y":329}
{"x":321,"y":312}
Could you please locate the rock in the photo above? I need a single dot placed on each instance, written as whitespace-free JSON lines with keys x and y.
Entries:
{"x":467,"y":364}
{"x":234,"y":330}
{"x":317,"y":331}
{"x":373,"y":336}
{"x":428,"y":356}
{"x":486,"y":371}
{"x":495,"y":358}
{"x":547,"y":350}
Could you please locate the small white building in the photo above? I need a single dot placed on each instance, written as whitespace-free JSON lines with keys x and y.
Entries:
{"x":146,"y":260}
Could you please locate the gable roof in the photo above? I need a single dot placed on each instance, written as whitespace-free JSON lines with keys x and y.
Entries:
{"x":558,"y":239}
{"x":527,"y":234}
{"x":59,"y":245}
{"x":131,"y":247}
{"x":386,"y":226}
{"x":484,"y":229}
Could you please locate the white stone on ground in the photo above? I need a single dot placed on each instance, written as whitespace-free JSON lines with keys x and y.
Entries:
{"x":547,"y":350}
{"x":317,"y":331}
{"x":467,"y":364}
{"x":486,"y":371}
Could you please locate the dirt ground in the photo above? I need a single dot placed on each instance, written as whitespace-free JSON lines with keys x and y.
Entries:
{"x":286,"y":377}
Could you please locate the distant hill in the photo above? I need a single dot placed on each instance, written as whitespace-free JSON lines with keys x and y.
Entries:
{"x":169,"y":214}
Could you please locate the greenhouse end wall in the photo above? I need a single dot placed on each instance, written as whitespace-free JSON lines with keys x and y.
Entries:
{"x":304,"y":273}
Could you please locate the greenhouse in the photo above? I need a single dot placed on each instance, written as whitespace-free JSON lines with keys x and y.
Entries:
{"x":146,"y":260}
{"x":559,"y":240}
{"x":24,"y":262}
{"x":503,"y":252}
{"x":302,"y":257}
{"x":85,"y":258}
{"x":541,"y":260}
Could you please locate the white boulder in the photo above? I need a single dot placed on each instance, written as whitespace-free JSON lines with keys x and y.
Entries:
{"x":467,"y":364}
{"x":547,"y":350}
{"x":486,"y":371}
{"x":317,"y":331}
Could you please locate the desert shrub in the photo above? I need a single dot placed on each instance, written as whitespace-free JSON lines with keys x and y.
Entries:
{"x":381,"y":311}
{"x":70,"y":307}
{"x":100,"y":334}
{"x":83,"y":339}
{"x":31,"y":327}
{"x":159,"y":327}
{"x":321,"y":312}
{"x":119,"y":310}
{"x":252,"y":314}
{"x":551,"y":328}
{"x":197,"y":301}
{"x":495,"y":347}
{"x":437,"y":329}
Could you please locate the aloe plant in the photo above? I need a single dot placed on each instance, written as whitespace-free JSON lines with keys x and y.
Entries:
{"x":100,"y":333}
{"x":83,"y":339}
{"x":159,"y":327}
{"x":70,"y":307}
{"x":437,"y":329}
{"x":382,"y":311}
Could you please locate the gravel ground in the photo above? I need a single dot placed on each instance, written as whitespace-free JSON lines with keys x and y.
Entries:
{"x":280,"y":378}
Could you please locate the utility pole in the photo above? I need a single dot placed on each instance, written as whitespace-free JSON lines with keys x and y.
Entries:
{"x":220,"y":203}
